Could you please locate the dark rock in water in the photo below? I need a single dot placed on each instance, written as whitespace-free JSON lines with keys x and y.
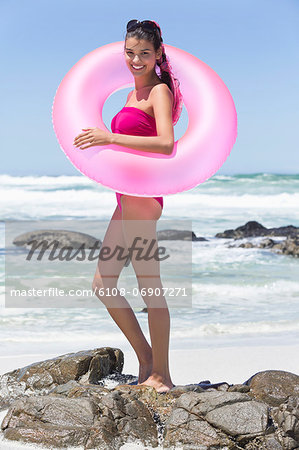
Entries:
{"x":198,"y":238}
{"x":253,"y":229}
{"x":265,"y":243}
{"x":62,"y":238}
{"x":289,"y":246}
{"x":81,"y":410}
{"x":178,"y":235}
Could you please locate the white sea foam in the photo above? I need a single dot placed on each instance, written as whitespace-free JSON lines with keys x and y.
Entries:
{"x":44,"y":181}
{"x":256,"y":292}
{"x":181,"y":329}
{"x":236,"y":329}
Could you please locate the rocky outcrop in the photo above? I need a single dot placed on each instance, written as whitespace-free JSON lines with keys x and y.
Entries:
{"x":286,"y":420}
{"x":253,"y":228}
{"x":104,"y":420}
{"x":41,"y":377}
{"x":215,"y":419}
{"x":79,"y":409}
{"x":288,"y":246}
{"x":273,"y":386}
{"x":61,"y":238}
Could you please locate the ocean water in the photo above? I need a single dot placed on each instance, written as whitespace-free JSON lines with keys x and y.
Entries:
{"x":238,"y":295}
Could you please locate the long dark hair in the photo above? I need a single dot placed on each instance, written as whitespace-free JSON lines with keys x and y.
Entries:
{"x":166,"y":74}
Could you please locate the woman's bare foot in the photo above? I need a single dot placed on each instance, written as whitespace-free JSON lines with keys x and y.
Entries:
{"x":159,"y":383}
{"x":145,"y":369}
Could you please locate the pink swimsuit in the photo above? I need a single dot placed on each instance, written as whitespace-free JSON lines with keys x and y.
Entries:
{"x":135,"y":122}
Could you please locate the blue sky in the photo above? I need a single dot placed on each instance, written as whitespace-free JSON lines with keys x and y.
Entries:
{"x":251,"y":44}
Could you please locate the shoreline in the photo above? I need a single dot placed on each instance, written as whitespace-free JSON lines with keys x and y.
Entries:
{"x":233,"y":364}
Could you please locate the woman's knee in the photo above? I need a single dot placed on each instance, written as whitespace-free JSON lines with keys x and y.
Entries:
{"x":104,"y":284}
{"x":96,"y":284}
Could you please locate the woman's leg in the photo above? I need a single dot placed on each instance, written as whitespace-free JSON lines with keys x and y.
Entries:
{"x":140,"y":217}
{"x":106,"y":276}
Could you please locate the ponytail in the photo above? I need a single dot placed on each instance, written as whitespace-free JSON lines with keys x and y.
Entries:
{"x":167,"y":76}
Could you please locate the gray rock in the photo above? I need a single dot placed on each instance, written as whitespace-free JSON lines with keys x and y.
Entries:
{"x":59,"y":411}
{"x":187,"y":424}
{"x":63,"y":402}
{"x":65,"y":389}
{"x":104,"y":422}
{"x":239,"y":388}
{"x":289,"y":246}
{"x":273,"y":386}
{"x":63,"y":238}
{"x":60,"y":437}
{"x":78,"y":240}
{"x":178,"y":235}
{"x":41,"y":377}
{"x":250,"y":418}
{"x":286,"y":419}
{"x":52,"y":421}
{"x":266,"y":243}
{"x":195,"y":434}
{"x":216,"y":419}
{"x":243,"y":245}
{"x":202,"y":403}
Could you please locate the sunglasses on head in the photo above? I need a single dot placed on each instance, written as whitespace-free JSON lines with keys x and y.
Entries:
{"x":146,"y":25}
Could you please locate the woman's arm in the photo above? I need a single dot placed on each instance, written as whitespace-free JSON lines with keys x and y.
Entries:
{"x":162,"y":98}
{"x":152,"y":144}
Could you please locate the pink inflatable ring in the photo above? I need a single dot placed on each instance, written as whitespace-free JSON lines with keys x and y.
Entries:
{"x":196,"y":156}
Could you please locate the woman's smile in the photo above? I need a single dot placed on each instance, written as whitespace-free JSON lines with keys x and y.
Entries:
{"x":137,"y":67}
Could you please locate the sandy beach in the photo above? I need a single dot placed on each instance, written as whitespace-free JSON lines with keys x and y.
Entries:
{"x":231,"y":364}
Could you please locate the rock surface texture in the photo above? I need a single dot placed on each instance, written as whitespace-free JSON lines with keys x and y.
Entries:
{"x":77,"y":400}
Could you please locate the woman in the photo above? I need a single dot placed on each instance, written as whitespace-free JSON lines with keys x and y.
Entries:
{"x":145,"y":123}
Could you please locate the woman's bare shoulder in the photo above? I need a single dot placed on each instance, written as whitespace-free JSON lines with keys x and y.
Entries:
{"x":161,"y":89}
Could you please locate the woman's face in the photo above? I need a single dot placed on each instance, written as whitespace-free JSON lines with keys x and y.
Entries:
{"x":140,"y":56}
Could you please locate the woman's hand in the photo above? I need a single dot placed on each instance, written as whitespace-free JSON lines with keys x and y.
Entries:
{"x":92,"y":137}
